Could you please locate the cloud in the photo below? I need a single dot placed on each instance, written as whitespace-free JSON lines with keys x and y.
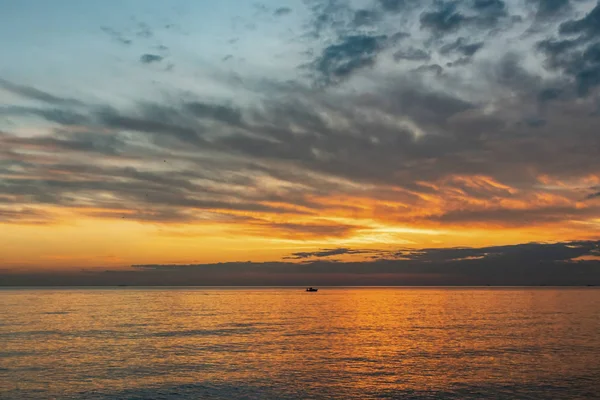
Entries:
{"x":413,"y":143}
{"x":462,"y":47}
{"x":577,"y":52}
{"x":144,"y":31}
{"x":588,"y":25}
{"x":36,"y":94}
{"x":116,"y":36}
{"x":593,"y":195}
{"x":524,"y":264}
{"x":328,"y":253}
{"x":337,"y":62}
{"x":150,"y":58}
{"x":395,"y":6}
{"x":412,"y":54}
{"x":551,"y":8}
{"x":489,"y":12}
{"x":435,"y":68}
{"x":365,"y":18}
{"x":444,"y":19}
{"x":223,"y":113}
{"x":372,"y":144}
{"x":281,"y":11}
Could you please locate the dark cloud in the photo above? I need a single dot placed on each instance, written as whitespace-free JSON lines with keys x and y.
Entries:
{"x":521,"y":253}
{"x":489,"y":12}
{"x":514,"y":217}
{"x":337,"y":62}
{"x":551,"y":8}
{"x":462,"y":47}
{"x":526,"y":264}
{"x":327,"y":253}
{"x":365,"y":18}
{"x":448,"y":17}
{"x":153,"y":119}
{"x":329,"y":16}
{"x":36,"y":94}
{"x":412,"y":54}
{"x":57,"y":115}
{"x":396,"y":6}
{"x":459,"y":62}
{"x":575,"y":58}
{"x":227,"y":114}
{"x":444,"y":19}
{"x":282,"y":11}
{"x":435,"y":68}
{"x":593,"y":195}
{"x":548,"y":94}
{"x":588,"y":25}
{"x":398,"y":36}
{"x":150,"y":58}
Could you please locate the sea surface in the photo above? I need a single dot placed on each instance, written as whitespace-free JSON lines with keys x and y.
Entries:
{"x":284,"y":343}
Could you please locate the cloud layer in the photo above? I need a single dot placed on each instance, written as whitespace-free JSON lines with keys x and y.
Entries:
{"x":359,"y":119}
{"x":571,"y":263}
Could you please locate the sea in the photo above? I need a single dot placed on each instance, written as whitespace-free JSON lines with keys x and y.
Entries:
{"x":286,"y":343}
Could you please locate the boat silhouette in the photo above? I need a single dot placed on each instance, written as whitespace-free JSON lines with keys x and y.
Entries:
{"x":311,"y":289}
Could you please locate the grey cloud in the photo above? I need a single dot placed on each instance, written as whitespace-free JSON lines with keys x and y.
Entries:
{"x":412,"y":54}
{"x":450,"y":16}
{"x":150,"y":58}
{"x":523,"y":253}
{"x":548,"y":94}
{"x":398,"y":36}
{"x":489,"y":12}
{"x":435,"y":68}
{"x":527,"y":264}
{"x":36,"y":94}
{"x":396,"y":6}
{"x":329,"y":16}
{"x":221,"y":113}
{"x":461,"y":46}
{"x":60,"y":116}
{"x":365,"y":18}
{"x":399,"y":133}
{"x":588,"y":25}
{"x":515,"y":217}
{"x":456,"y":257}
{"x":282,"y":11}
{"x":115,"y":35}
{"x":576,"y":59}
{"x":551,"y":8}
{"x":444,"y":20}
{"x":144,"y":31}
{"x":156,"y":120}
{"x":141,"y":194}
{"x":459,"y":62}
{"x":337,"y":62}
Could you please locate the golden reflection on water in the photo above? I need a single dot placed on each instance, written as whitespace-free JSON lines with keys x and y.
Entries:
{"x":339,"y":343}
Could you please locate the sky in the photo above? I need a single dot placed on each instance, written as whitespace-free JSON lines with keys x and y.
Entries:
{"x":145,"y":135}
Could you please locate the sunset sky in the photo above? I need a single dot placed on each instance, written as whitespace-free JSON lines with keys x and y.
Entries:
{"x":139,"y":132}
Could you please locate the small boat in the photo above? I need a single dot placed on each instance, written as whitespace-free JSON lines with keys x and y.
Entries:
{"x":311,"y":289}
